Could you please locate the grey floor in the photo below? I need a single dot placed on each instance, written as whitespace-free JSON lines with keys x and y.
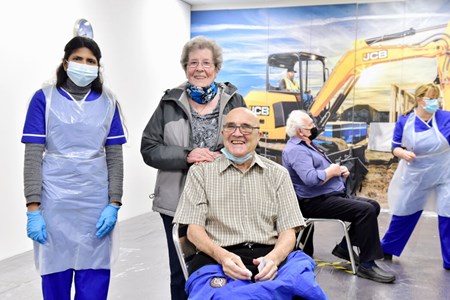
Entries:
{"x":141,"y":271}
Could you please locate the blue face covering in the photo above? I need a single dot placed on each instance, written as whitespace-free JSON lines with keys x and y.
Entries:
{"x":81,"y":74}
{"x":236,"y":160}
{"x":201,"y":95}
{"x":431,"y":105}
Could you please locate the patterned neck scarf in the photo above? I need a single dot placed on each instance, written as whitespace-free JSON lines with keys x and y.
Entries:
{"x":201,"y":95}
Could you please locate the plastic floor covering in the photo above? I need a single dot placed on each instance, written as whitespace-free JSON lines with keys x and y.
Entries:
{"x":142,"y":271}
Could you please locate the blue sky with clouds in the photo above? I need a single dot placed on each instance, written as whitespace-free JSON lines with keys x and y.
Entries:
{"x":248,"y":36}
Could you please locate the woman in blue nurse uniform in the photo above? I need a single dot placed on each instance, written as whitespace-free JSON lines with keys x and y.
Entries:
{"x":421,"y":142}
{"x":73,"y":175}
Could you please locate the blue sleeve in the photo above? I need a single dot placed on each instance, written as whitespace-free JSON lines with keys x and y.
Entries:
{"x":443,"y":122}
{"x":34,"y":128}
{"x":311,"y":173}
{"x":398,"y":132}
{"x":309,"y":168}
{"x":116,"y":134}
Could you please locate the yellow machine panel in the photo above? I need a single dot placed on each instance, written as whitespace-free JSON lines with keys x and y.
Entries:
{"x":273,"y":109}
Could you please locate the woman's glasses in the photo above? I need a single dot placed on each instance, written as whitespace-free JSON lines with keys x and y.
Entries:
{"x":205,"y":64}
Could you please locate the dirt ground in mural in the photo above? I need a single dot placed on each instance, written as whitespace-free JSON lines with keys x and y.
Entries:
{"x":381,"y":168}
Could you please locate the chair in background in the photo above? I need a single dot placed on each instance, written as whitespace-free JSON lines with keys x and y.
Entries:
{"x":185,"y":249}
{"x":311,"y":221}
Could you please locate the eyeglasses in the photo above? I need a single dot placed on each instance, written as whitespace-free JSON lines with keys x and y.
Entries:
{"x":309,"y":127}
{"x":244,"y":128}
{"x":204,"y":64}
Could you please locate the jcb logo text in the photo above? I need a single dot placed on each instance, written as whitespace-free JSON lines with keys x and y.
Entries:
{"x":375,"y":55}
{"x":261,"y":110}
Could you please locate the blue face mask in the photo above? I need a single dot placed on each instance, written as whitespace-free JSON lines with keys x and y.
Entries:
{"x":81,"y":74}
{"x":236,"y":160}
{"x":431,"y":105}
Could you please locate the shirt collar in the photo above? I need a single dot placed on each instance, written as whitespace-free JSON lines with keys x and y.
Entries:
{"x":296,"y":140}
{"x":225,"y":163}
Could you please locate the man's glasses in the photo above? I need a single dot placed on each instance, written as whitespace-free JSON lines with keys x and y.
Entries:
{"x":204,"y":64}
{"x":308,"y":128}
{"x":244,"y":128}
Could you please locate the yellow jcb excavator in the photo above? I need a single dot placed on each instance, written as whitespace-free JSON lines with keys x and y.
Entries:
{"x":274,"y":105}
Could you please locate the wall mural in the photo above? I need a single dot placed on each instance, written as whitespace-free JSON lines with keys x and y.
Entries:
{"x":355,"y":65}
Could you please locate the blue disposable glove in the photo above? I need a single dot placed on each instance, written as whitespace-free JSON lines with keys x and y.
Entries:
{"x":36,"y":227}
{"x":107,"y":220}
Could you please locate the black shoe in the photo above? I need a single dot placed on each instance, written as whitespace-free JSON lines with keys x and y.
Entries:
{"x":375,"y":273}
{"x":387,"y":256}
{"x":340,"y":252}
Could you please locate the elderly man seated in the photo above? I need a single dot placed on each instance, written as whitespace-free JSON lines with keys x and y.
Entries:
{"x":243,"y":215}
{"x":321,"y":193}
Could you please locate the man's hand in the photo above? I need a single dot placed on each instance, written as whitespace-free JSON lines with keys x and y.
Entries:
{"x":233,"y":267}
{"x":268,"y":270}
{"x":333,"y":170}
{"x":344,"y":172}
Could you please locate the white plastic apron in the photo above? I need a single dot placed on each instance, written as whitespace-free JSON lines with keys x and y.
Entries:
{"x":425,"y":180}
{"x":75,"y":184}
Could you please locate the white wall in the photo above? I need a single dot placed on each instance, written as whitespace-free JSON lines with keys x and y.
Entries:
{"x":141,"y":44}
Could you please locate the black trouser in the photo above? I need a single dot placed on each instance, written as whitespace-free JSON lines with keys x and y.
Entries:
{"x":361,"y":212}
{"x":177,"y":281}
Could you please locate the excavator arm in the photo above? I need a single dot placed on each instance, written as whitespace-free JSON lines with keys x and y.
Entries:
{"x":366,"y":54}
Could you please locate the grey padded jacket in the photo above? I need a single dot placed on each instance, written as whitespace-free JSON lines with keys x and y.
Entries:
{"x":167,"y":140}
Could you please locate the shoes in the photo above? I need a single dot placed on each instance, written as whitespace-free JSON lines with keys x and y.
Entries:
{"x":342,"y":253}
{"x":375,"y":273}
{"x":387,"y":256}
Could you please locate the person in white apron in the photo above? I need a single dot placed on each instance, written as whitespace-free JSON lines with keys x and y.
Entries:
{"x":73,"y":176}
{"x":421,"y":141}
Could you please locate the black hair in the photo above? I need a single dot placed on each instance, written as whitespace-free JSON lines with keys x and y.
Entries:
{"x":74,"y":44}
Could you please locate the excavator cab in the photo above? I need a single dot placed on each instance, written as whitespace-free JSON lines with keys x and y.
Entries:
{"x":309,"y":77}
{"x":274,"y":105}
